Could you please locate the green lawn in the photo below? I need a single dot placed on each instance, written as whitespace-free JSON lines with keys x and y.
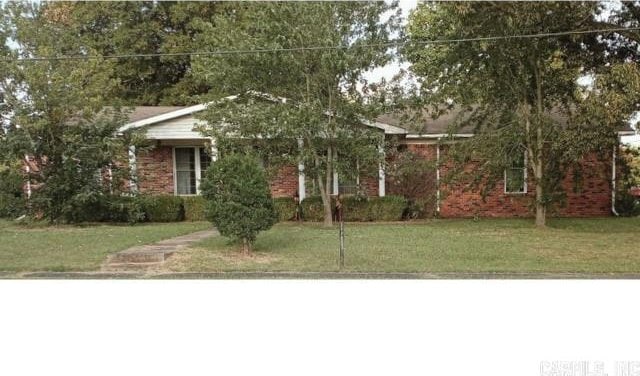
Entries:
{"x":497,"y":245}
{"x":72,"y":248}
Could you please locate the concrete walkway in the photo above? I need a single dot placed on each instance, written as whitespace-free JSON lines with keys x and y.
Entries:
{"x":145,"y":256}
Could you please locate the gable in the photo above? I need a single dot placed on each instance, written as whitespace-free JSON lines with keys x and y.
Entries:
{"x":160,"y":120}
{"x":180,"y":128}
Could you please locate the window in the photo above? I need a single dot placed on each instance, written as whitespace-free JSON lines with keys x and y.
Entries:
{"x":190,"y":166}
{"x":348,"y":185}
{"x":515,"y":177}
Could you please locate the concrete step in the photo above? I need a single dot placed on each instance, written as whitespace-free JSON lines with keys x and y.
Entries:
{"x":138,"y":257}
{"x":129,"y":266}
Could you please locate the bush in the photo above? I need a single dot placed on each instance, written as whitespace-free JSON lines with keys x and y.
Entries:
{"x":125,"y":209}
{"x":105,"y":208}
{"x":358,"y":209}
{"x":194,"y":208}
{"x":239,"y":202}
{"x":627,"y":205}
{"x":162,"y":208}
{"x":413,"y":177}
{"x":363,"y":209}
{"x":312,"y":209}
{"x":285,"y":207}
{"x":12,"y":201}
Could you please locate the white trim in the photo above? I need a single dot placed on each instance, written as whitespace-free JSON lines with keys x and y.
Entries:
{"x":196,"y":155}
{"x":169,"y":115}
{"x":336,"y":188}
{"x":133,"y":167}
{"x":301,"y":176}
{"x":387,"y":128}
{"x":381,"y":174}
{"x":28,"y":171}
{"x":525,"y":187}
{"x":175,"y":172}
{"x":214,"y":150}
{"x":440,"y":135}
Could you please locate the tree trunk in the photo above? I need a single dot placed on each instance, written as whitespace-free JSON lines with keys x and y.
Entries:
{"x":328,"y":213}
{"x":541,"y":205}
{"x":246,"y":247}
{"x":324,"y":187}
{"x":541,"y":210}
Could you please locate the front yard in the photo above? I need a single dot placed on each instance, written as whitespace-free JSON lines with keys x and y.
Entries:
{"x":607,"y":245}
{"x":74,"y":248}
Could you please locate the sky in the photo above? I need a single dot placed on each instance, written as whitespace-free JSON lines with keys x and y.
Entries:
{"x":388,"y":71}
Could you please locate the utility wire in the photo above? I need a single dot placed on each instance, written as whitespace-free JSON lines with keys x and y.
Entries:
{"x":318,"y":48}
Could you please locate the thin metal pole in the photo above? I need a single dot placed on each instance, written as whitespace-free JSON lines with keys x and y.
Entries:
{"x":341,"y":244}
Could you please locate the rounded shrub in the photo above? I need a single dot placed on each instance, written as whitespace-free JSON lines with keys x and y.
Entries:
{"x":238,"y":198}
{"x":162,"y":208}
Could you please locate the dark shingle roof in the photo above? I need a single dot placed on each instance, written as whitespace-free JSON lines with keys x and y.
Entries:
{"x":145,"y":112}
{"x":427,"y":125}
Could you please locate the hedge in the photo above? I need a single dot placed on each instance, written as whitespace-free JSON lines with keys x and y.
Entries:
{"x":194,"y":208}
{"x":285,"y":207}
{"x":358,"y":209}
{"x":312,"y":209}
{"x":162,"y":208}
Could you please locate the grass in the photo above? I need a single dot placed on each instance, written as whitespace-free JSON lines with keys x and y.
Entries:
{"x":606,"y":245}
{"x":74,"y":248}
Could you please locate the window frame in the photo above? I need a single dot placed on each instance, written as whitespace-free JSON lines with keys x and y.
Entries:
{"x":197,"y":167}
{"x":524,"y":176}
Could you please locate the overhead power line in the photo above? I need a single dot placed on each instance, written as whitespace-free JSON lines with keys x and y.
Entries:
{"x":318,"y":48}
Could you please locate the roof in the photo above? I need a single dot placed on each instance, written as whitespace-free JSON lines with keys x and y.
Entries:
{"x":147,"y":115}
{"x":391,"y":123}
{"x":145,"y":112}
{"x":429,"y":126}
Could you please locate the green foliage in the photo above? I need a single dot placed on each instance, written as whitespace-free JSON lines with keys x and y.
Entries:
{"x":285,"y":207}
{"x":628,"y":164}
{"x":12,"y":200}
{"x":239,"y":202}
{"x":106,"y":208}
{"x":312,"y":209}
{"x":365,"y":209}
{"x":59,"y":107}
{"x":126,"y":209}
{"x":516,"y":94}
{"x":194,"y":208}
{"x":324,"y":110}
{"x":358,"y":209}
{"x":162,"y":208}
{"x":413,"y":177}
{"x":135,"y":27}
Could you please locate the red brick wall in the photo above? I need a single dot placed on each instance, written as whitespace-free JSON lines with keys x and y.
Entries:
{"x":284,"y":182}
{"x":155,"y":170}
{"x":369,"y":185}
{"x":155,"y":175}
{"x":592,"y":199}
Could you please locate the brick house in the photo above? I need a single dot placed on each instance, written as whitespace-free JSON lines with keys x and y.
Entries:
{"x":180,"y":155}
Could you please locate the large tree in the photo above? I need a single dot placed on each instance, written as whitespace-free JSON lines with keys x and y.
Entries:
{"x":518,"y":92}
{"x":316,"y":99}
{"x":142,"y":27}
{"x":58,"y":117}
